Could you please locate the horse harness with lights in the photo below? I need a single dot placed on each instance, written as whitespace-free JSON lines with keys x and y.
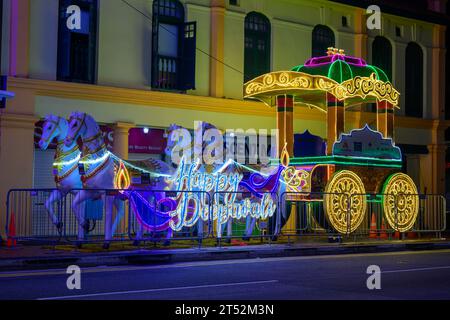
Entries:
{"x":87,"y":154}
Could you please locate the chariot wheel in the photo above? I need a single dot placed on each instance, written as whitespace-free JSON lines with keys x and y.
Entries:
{"x":345,"y":201}
{"x":400,"y":202}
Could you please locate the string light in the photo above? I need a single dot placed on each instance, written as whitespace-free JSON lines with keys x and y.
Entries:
{"x":68,"y":162}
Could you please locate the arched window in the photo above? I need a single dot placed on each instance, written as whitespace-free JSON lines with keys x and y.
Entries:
{"x":322,"y":39}
{"x":257,"y":45}
{"x":173,"y":47}
{"x":414,"y":81}
{"x":382,"y":55}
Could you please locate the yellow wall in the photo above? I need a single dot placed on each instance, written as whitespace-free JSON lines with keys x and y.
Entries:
{"x":43,"y":39}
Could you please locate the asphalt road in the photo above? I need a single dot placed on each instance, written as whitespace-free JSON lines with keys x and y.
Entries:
{"x":407,"y":275}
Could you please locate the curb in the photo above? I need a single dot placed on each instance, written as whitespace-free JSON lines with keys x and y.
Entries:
{"x":146,"y":257}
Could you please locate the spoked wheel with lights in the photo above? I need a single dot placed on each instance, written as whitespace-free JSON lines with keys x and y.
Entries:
{"x":400,"y":202}
{"x":345,"y":202}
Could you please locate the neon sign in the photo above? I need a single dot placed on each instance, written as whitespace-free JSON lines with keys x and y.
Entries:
{"x":225,"y":205}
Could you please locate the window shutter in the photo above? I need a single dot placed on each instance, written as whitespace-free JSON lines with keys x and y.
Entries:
{"x":63,"y":42}
{"x":187,"y":77}
{"x":155,"y":50}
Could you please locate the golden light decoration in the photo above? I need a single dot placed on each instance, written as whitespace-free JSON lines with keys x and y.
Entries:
{"x":345,"y":202}
{"x":400,"y":202}
{"x":285,"y":158}
{"x":289,"y":81}
{"x":370,"y":86}
{"x":122,"y":179}
{"x":296,"y":180}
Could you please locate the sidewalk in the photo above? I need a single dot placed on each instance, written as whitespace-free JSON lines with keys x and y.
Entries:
{"x":46,"y":257}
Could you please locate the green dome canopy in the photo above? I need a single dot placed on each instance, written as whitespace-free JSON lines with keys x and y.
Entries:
{"x":340,"y":67}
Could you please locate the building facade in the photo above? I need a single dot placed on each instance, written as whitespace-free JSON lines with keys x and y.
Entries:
{"x":151,"y":63}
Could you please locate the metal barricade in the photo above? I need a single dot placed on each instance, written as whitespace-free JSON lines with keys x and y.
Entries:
{"x":28,"y":217}
{"x":295,"y":214}
{"x":245,"y":215}
{"x":432,"y":214}
{"x":306,"y":214}
{"x":197,"y":208}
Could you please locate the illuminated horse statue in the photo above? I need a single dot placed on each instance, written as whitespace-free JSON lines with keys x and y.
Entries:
{"x":65,"y":166}
{"x":97,"y":170}
{"x":99,"y":166}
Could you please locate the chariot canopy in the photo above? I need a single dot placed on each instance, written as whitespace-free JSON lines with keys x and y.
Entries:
{"x":349,"y":79}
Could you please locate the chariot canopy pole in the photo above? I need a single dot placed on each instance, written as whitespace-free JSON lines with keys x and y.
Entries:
{"x":335,"y":120}
{"x":285,"y":123}
{"x":385,"y":118}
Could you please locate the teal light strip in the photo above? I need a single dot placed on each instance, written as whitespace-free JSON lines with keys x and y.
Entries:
{"x":341,"y":160}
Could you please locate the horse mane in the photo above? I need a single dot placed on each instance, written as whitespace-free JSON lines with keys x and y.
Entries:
{"x":91,"y":121}
{"x":50,"y":117}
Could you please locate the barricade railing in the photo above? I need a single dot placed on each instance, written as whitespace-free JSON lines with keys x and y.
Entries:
{"x":86,"y":222}
{"x":308,"y":217}
{"x":431,"y":216}
{"x":188,"y":207}
{"x":245,"y":215}
{"x":28,"y":217}
{"x":32,"y":220}
{"x":306,"y":214}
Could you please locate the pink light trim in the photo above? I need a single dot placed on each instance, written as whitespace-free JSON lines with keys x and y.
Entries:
{"x":321,"y":61}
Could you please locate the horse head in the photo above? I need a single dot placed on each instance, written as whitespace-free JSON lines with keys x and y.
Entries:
{"x":53,"y":127}
{"x":81,"y":125}
{"x":77,"y":127}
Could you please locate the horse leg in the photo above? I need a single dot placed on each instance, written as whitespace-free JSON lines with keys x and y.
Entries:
{"x":200,"y":230}
{"x":109,"y":200}
{"x":55,"y":196}
{"x":229,"y":230}
{"x":277,"y":228}
{"x":120,"y":212}
{"x":248,"y":229}
{"x":78,"y":210}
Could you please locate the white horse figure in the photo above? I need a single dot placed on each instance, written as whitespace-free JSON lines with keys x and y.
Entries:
{"x":99,"y":172}
{"x":98,"y":166}
{"x":65,"y":166}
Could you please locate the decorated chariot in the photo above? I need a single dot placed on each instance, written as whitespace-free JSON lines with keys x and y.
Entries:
{"x":350,"y":169}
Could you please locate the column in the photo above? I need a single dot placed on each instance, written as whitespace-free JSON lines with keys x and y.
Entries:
{"x":19,"y":38}
{"x":335,"y":121}
{"x":285,"y":123}
{"x":436,"y":158}
{"x":438,"y":73}
{"x":360,"y":33}
{"x":385,"y":119}
{"x":217,"y":37}
{"x":120,"y":145}
{"x":16,"y":169}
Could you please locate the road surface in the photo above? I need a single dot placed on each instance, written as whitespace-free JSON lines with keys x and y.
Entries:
{"x":406,"y":275}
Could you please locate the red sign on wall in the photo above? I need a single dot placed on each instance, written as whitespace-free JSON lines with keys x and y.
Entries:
{"x":151,"y":141}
